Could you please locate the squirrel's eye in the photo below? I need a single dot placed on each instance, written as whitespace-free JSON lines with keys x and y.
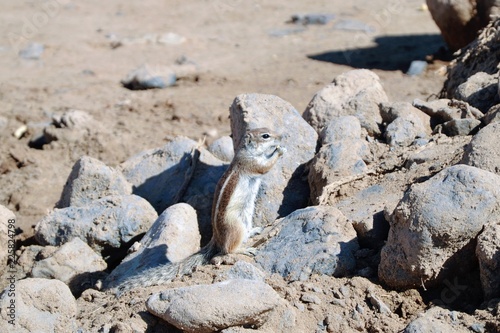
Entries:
{"x":265,"y":136}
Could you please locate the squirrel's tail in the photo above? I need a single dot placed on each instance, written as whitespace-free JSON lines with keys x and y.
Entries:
{"x":165,"y":273}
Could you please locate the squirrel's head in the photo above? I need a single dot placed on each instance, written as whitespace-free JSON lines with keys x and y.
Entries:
{"x":262,"y":145}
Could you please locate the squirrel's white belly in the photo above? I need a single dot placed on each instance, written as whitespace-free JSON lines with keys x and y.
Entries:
{"x":241,"y":206}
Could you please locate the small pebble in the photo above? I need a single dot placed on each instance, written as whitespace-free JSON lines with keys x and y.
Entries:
{"x":338,"y":302}
{"x":20,"y":131}
{"x":478,"y":328}
{"x":171,"y":38}
{"x":307,"y":19}
{"x":417,"y":67}
{"x":147,"y":77}
{"x":310,"y":298}
{"x":377,"y":303}
{"x":32,"y":52}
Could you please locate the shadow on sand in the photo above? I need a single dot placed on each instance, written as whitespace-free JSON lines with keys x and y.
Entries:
{"x":390,"y":53}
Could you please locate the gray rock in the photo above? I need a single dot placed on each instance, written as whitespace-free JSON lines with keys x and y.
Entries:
{"x":72,"y":263}
{"x":149,"y":77}
{"x":51,"y":133}
{"x":284,"y":188}
{"x":73,"y":119}
{"x":481,"y":55}
{"x":357,"y":93}
{"x":172,"y":237}
{"x":379,"y":304}
{"x":478,"y":328}
{"x":312,"y":18}
{"x":492,"y":116}
{"x":90,"y":180}
{"x":366,"y":212}
{"x":41,"y":305}
{"x":451,"y":117}
{"x":343,"y":155}
{"x":200,"y":192}
{"x":488,"y":253}
{"x":390,"y":111}
{"x":162,"y":175}
{"x":27,"y":256}
{"x":460,"y":126}
{"x":443,"y":110}
{"x":7,"y":232}
{"x":482,"y":152}
{"x":222,"y":148}
{"x":404,"y":131}
{"x":335,"y":162}
{"x":71,"y":127}
{"x":33,"y":51}
{"x":417,"y":67}
{"x":435,"y":320}
{"x":480,"y":90}
{"x":208,"y":308}
{"x":244,"y":270}
{"x":106,"y":223}
{"x":166,"y":38}
{"x":434,"y":225}
{"x":310,"y":298}
{"x":406,"y":123}
{"x":341,"y":128}
{"x":312,"y":240}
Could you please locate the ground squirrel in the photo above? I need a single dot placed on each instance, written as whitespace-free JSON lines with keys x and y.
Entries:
{"x":232,"y":210}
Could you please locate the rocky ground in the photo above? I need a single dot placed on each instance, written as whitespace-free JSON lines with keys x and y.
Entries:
{"x":402,"y":189}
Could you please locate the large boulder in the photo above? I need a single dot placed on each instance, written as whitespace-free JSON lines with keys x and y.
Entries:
{"x":201,"y":189}
{"x":104,"y":224}
{"x":343,"y":153}
{"x":405,"y":123}
{"x":209,"y":308}
{"x":480,"y":90}
{"x":91,"y":180}
{"x":336,"y":161}
{"x":313,"y":240}
{"x":39,"y":305}
{"x":162,"y":175}
{"x":283,"y":188}
{"x":482,"y":152}
{"x":437,"y":320}
{"x":460,"y":20}
{"x":481,"y":55}
{"x":488,"y":253}
{"x":357,"y":93}
{"x":172,"y":237}
{"x":365,"y":210}
{"x":73,"y":263}
{"x":434,"y":227}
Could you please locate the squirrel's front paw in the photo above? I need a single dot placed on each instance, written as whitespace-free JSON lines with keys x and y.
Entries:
{"x":281,"y":150}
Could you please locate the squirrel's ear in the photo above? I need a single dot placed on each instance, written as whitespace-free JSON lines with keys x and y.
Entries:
{"x":248,"y":136}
